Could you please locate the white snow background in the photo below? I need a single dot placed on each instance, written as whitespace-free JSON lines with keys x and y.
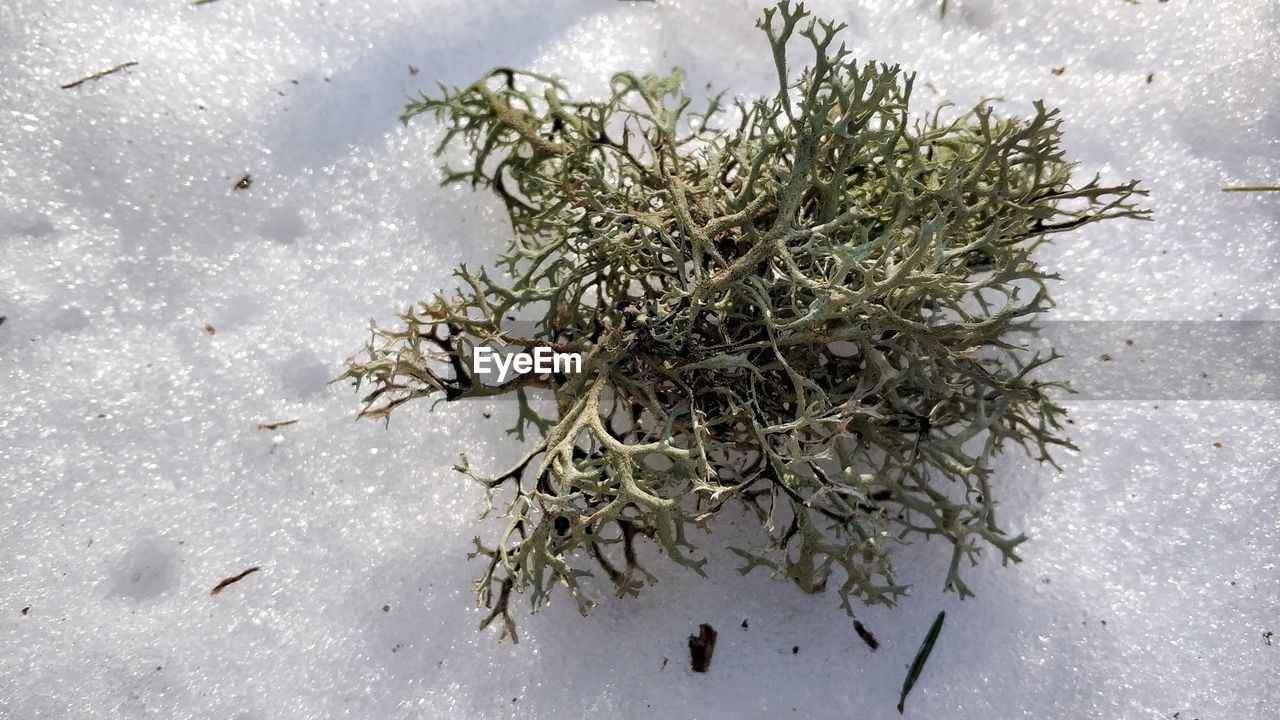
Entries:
{"x":133,"y":476}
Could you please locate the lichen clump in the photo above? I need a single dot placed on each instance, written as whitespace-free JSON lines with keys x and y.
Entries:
{"x":801,"y":304}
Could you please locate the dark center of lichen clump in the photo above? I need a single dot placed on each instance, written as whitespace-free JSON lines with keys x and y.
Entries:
{"x":801,"y":304}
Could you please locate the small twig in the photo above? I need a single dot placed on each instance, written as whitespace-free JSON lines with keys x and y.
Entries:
{"x":866,"y":635}
{"x":276,"y":425}
{"x":1253,"y":188}
{"x":921,"y":656}
{"x":100,"y":75}
{"x":203,"y":2}
{"x":701,"y":647}
{"x":233,"y":579}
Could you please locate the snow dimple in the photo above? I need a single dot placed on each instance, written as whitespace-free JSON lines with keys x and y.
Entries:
{"x":146,"y":571}
{"x":36,"y":227}
{"x":283,"y":225}
{"x":305,"y":376}
{"x":69,"y":320}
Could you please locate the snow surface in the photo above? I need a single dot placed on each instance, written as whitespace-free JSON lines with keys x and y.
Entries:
{"x":134,"y":476}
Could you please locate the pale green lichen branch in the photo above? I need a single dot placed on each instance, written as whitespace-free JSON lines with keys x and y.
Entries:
{"x":806,"y":305}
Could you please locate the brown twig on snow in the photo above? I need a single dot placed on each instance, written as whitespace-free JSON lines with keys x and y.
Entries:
{"x":866,"y":635}
{"x":233,"y":579}
{"x":701,"y":648}
{"x":100,"y":75}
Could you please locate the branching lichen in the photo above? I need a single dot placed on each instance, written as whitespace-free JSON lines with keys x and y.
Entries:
{"x":803,"y":304}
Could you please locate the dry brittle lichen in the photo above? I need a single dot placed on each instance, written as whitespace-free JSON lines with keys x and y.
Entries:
{"x":803,"y":304}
